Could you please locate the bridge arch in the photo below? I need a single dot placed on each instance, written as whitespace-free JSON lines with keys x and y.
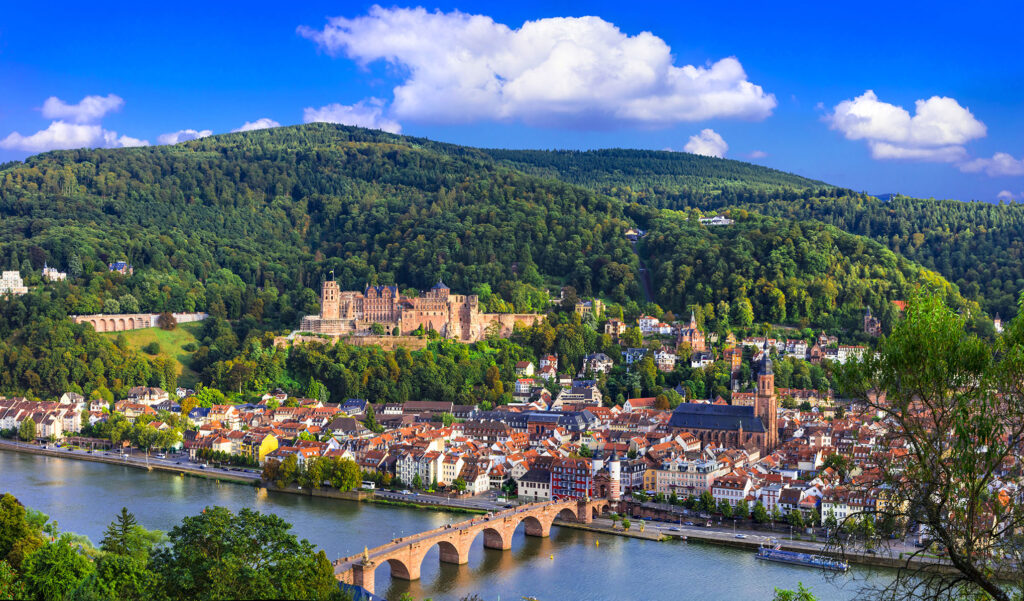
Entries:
{"x":568,"y":514}
{"x":400,"y":570}
{"x":535,"y":526}
{"x":495,"y":538}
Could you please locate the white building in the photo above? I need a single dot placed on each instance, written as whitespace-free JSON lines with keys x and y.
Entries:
{"x":50,"y":273}
{"x":11,"y":283}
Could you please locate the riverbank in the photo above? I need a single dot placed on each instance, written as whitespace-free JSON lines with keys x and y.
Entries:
{"x":602,"y":529}
{"x":135,"y":462}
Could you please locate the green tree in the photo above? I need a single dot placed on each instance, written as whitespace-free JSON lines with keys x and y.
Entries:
{"x":55,"y":568}
{"x":249,"y":555}
{"x":800,"y":594}
{"x":117,"y":537}
{"x":632,"y":337}
{"x":417,"y":482}
{"x":760,"y":513}
{"x":11,"y":586}
{"x":27,"y":429}
{"x":795,"y":518}
{"x":956,"y":401}
{"x":123,"y":577}
{"x":459,"y":484}
{"x":742,"y":509}
{"x":585,"y":451}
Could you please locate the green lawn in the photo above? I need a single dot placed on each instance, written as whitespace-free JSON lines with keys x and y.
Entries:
{"x":171,"y":343}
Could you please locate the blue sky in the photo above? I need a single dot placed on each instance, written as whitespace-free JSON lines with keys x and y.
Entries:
{"x":925,"y":99}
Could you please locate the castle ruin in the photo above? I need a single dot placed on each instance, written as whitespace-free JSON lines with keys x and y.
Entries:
{"x":454,"y":316}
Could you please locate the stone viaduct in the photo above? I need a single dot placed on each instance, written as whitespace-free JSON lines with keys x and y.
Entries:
{"x":405,"y":555}
{"x":131,"y":321}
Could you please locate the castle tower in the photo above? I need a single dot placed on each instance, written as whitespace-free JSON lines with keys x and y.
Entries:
{"x":330,"y":299}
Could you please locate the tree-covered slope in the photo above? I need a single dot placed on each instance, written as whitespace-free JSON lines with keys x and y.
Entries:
{"x":247,"y":224}
{"x":976,"y":245}
{"x":803,"y":273}
{"x":657,"y":178}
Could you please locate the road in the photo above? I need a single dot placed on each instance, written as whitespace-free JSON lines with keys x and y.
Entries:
{"x":725,"y":533}
{"x":485,"y":502}
{"x":172,"y":461}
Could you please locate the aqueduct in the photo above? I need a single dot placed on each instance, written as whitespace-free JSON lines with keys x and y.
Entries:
{"x":405,"y":555}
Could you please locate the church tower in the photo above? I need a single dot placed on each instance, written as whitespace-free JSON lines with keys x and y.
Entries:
{"x":766,"y":405}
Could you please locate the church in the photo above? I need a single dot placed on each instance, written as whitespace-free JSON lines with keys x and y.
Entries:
{"x":736,"y":425}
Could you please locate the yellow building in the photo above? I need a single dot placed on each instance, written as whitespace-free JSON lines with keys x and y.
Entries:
{"x":257,"y":445}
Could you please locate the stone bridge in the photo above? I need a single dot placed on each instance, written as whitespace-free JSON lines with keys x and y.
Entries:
{"x":405,"y":555}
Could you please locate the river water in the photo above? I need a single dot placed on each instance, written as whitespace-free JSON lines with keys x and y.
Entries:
{"x":84,"y":497}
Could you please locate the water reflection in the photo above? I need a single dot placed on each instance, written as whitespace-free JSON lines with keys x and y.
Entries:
{"x":84,"y":497}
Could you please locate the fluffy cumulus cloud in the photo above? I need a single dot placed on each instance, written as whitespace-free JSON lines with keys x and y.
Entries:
{"x":88,"y":110}
{"x":1005,"y":195}
{"x":708,"y":143}
{"x":365,"y":113}
{"x":1001,"y":164}
{"x":182,"y":135}
{"x":74,"y":126}
{"x":577,"y":72}
{"x":937,"y":131}
{"x":263,"y":123}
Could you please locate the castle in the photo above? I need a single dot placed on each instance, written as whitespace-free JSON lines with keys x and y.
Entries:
{"x":454,"y":316}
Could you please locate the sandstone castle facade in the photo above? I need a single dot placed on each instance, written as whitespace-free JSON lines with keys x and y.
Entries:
{"x":454,"y":316}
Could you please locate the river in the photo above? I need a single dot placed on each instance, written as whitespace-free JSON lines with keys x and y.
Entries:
{"x":84,"y":497}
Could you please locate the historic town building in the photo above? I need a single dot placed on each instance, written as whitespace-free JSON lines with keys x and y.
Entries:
{"x":454,"y":316}
{"x":752,"y":419}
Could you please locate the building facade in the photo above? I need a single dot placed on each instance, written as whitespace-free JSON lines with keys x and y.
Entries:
{"x":454,"y":316}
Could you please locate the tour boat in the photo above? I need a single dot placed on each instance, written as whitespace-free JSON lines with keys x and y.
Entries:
{"x":802,"y":559}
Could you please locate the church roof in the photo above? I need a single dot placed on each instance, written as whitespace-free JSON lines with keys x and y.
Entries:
{"x":715,"y":417}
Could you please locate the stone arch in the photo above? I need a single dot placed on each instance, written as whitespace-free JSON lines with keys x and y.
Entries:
{"x":599,"y":509}
{"x":535,"y":526}
{"x":99,"y":325}
{"x":496,"y":539}
{"x":112,"y":326}
{"x":120,"y":323}
{"x":448,"y":553}
{"x":400,"y":570}
{"x":568,"y":514}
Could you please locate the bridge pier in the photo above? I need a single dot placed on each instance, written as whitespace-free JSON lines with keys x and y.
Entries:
{"x":583,"y":514}
{"x":535,"y":527}
{"x":450,"y":554}
{"x":362,"y":575}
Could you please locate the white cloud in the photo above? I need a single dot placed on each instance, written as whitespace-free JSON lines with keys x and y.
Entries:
{"x":936,"y":132}
{"x":757,"y":154}
{"x":264,"y":123}
{"x":708,"y":143}
{"x":365,"y":113}
{"x":1005,"y":195}
{"x":60,"y":135}
{"x":182,"y":135}
{"x":88,"y":110}
{"x":578,"y":72}
{"x":1001,"y":164}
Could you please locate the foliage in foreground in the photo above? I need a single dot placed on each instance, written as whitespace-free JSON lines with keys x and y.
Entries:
{"x":954,"y":406}
{"x":215,"y":555}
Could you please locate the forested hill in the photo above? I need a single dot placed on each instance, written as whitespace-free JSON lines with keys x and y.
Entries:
{"x":977,"y":245}
{"x":658,"y":178}
{"x":246,"y":225}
